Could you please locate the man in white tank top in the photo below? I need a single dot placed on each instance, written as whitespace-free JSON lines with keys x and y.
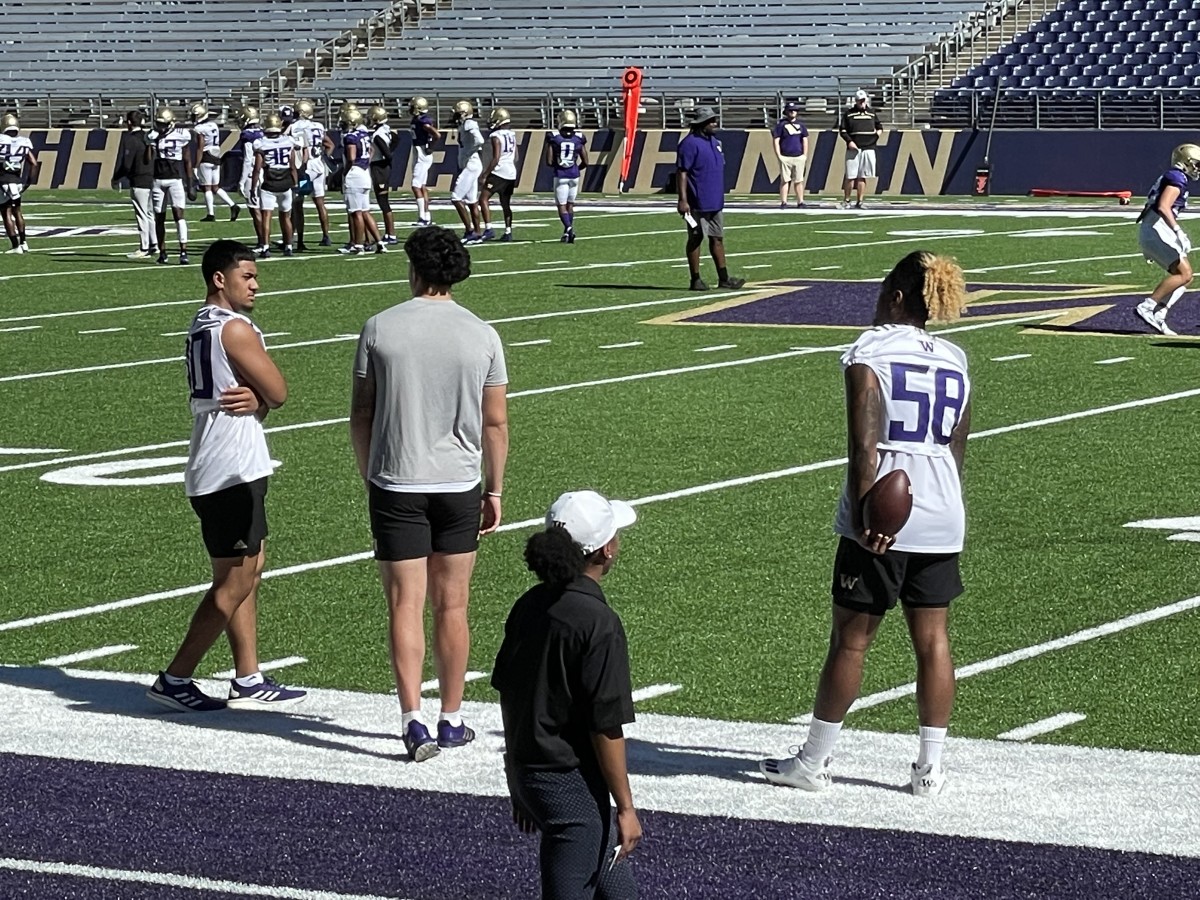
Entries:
{"x":232,"y":384}
{"x":500,"y":174}
{"x":429,"y":427}
{"x":908,"y":399}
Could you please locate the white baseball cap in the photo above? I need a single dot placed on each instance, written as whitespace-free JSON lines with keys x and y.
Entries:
{"x":861,"y":95}
{"x":589,"y":518}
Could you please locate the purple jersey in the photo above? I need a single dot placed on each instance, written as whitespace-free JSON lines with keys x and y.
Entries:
{"x":361,"y":141}
{"x":422,"y":138}
{"x":566,"y":154}
{"x":1174,"y":178}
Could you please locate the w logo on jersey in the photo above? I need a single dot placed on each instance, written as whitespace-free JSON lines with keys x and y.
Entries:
{"x":805,"y":303}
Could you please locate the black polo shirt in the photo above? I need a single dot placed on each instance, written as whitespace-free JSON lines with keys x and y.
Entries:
{"x":563,"y":675}
{"x":860,"y":126}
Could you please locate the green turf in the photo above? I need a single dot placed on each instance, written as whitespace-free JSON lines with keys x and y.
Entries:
{"x":724,"y":592}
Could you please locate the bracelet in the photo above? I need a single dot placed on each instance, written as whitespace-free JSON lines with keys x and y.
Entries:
{"x":492,"y":494}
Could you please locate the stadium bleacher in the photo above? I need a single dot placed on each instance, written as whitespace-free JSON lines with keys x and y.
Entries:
{"x":1088,"y":63}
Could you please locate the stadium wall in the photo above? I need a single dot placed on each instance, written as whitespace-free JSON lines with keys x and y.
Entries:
{"x":910,"y":161}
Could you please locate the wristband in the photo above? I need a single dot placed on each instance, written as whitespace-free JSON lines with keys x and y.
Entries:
{"x":492,"y":494}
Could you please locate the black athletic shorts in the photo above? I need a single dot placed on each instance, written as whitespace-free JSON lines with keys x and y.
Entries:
{"x":501,"y":187}
{"x":381,"y":178}
{"x":233,"y":521}
{"x":412,"y":526}
{"x":865,"y":582}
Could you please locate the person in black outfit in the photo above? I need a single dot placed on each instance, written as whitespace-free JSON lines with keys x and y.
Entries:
{"x":135,"y":166}
{"x":565,"y":693}
{"x":860,"y":129}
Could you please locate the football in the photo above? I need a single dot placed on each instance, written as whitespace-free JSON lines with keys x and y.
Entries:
{"x":888,"y":504}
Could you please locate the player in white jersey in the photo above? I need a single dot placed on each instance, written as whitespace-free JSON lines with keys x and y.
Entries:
{"x":908,"y":403}
{"x":383,"y":145}
{"x":275,"y":174}
{"x":233,"y":383}
{"x":313,"y":144}
{"x":465,"y":193}
{"x":19,"y":167}
{"x":172,"y":180}
{"x":208,"y":163}
{"x":500,"y":174}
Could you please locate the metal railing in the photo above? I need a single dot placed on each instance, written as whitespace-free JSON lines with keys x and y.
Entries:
{"x":1059,"y":108}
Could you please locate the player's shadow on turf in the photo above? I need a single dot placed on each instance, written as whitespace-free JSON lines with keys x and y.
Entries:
{"x":621,"y":287}
{"x":1179,"y":345}
{"x":123,"y":698}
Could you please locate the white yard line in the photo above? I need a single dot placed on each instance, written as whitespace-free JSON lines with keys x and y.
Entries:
{"x":1042,"y":726}
{"x":1121,"y":272}
{"x":533,"y":343}
{"x":824,"y":268}
{"x":1042,"y":272}
{"x":86,"y":655}
{"x":21,"y":328}
{"x":268,"y":666}
{"x":654,"y":498}
{"x":716,"y":347}
{"x":760,"y":266}
{"x":1114,"y":360}
{"x":432,"y":685}
{"x":1025,"y":653}
{"x":1048,"y":262}
{"x":100,"y":331}
{"x":172,"y":880}
{"x":655,"y":690}
{"x":1011,"y":357}
{"x":621,"y":346}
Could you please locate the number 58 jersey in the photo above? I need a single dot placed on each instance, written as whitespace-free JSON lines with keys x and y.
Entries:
{"x":924,"y":390}
{"x":225,"y":450}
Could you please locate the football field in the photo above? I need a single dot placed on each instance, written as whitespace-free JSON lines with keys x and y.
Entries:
{"x":1073,"y":752}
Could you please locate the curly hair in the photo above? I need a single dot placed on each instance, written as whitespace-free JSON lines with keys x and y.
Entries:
{"x":932,"y":285}
{"x":554,"y":556}
{"x":438,"y":256}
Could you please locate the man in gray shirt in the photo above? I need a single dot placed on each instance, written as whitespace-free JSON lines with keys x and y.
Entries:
{"x":429,"y":426}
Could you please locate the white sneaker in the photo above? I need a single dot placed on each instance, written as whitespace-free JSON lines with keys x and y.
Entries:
{"x":927,"y":781}
{"x":1160,"y":319}
{"x":843,"y":204}
{"x":795,"y":772}
{"x":137,"y":254}
{"x":16,"y":249}
{"x":1154,"y":316}
{"x":24,"y":247}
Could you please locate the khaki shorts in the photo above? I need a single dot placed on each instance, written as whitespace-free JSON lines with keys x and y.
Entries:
{"x":791,"y":169}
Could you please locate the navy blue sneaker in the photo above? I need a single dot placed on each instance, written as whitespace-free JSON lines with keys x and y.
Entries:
{"x":449,"y":736}
{"x":326,"y":242}
{"x":488,"y":235}
{"x":507,"y":238}
{"x":186,"y":697}
{"x":267,"y":695}
{"x":419,"y":743}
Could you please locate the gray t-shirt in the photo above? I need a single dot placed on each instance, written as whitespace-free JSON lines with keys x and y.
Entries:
{"x":430,"y":360}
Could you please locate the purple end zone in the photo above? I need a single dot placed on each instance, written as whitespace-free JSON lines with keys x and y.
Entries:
{"x":851,"y":304}
{"x":355,"y":839}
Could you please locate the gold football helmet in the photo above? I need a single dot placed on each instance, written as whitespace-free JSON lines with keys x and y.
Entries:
{"x":418,"y":105}
{"x":499,"y":117}
{"x":463,"y":110}
{"x":248,"y":115}
{"x":164,"y":118}
{"x":567,"y":120}
{"x":10,"y":123}
{"x":199,"y":112}
{"x":272,"y":123}
{"x":350,"y":116}
{"x":1187,"y":157}
{"x":305,"y":109}
{"x":377,"y":114}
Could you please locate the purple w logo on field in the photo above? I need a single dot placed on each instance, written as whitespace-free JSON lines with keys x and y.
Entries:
{"x":804,"y":303}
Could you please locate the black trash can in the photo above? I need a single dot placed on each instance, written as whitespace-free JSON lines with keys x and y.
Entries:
{"x":983,"y":180}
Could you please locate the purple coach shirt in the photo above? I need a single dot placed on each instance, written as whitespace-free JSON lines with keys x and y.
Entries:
{"x":703,"y":160}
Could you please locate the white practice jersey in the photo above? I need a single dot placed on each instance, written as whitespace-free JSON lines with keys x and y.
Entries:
{"x":14,"y":150}
{"x":225,"y":450}
{"x":209,"y":134}
{"x":277,"y":152}
{"x":169,"y":151}
{"x":925,"y":388}
{"x":382,"y":132}
{"x":470,"y":142}
{"x":506,"y":159}
{"x":310,"y":136}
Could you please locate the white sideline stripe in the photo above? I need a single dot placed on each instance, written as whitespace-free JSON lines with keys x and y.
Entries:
{"x":655,"y":690}
{"x":21,"y":328}
{"x":554,"y":262}
{"x":170,"y":879}
{"x":1041,"y":272}
{"x":353,"y":337}
{"x":1016,"y":656}
{"x":85,"y":655}
{"x":1122,"y":272}
{"x":270,"y":665}
{"x":1011,"y":357}
{"x":761,"y":266}
{"x":715,"y":347}
{"x":432,"y":685}
{"x":529,"y":523}
{"x":25,"y":451}
{"x":824,"y":268}
{"x":529,"y":343}
{"x":621,"y":346}
{"x":1115,"y":359}
{"x":1042,"y":726}
{"x":102,"y":331}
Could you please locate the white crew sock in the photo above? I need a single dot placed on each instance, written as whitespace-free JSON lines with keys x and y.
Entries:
{"x":224,"y":197}
{"x":454,"y":718}
{"x":818,"y":746}
{"x":1175,"y":295}
{"x":208,"y":202}
{"x":181,"y":230}
{"x":250,"y":680}
{"x":174,"y":680}
{"x":422,"y":208}
{"x":932,"y":742}
{"x":411,"y":716}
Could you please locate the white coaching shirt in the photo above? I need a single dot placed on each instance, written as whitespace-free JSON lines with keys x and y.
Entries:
{"x":925,"y":388}
{"x":225,"y":450}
